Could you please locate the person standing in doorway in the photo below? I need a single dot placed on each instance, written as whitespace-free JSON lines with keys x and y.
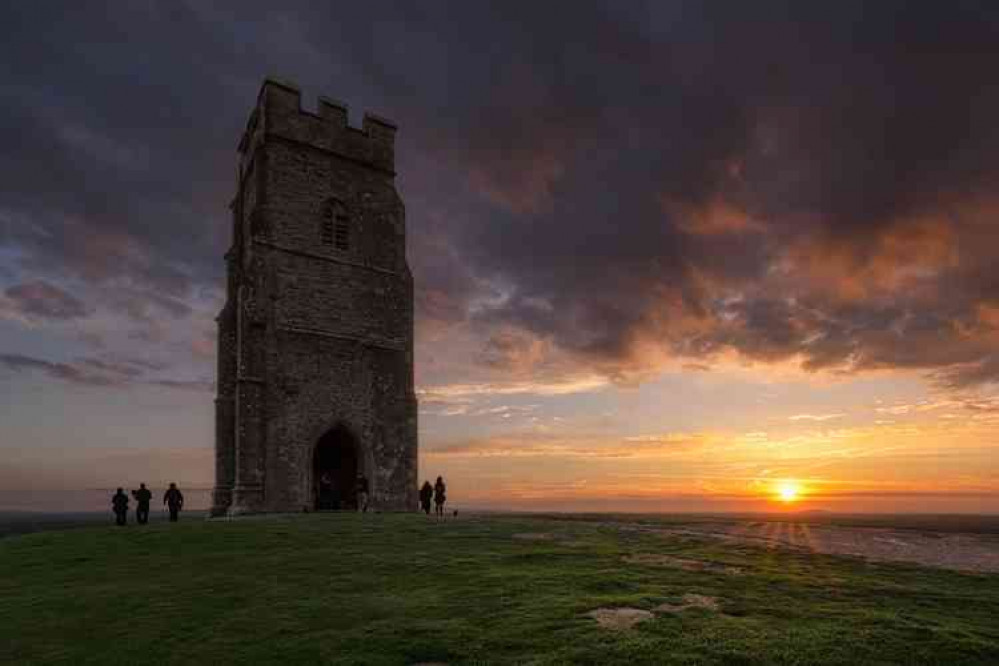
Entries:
{"x":119,"y":504}
{"x":426,"y":496}
{"x":174,"y":501}
{"x":143,"y":497}
{"x":326,"y":491}
{"x":362,"y":493}
{"x":440,"y":497}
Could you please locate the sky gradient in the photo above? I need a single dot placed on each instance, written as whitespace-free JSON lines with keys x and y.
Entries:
{"x":667,"y":257}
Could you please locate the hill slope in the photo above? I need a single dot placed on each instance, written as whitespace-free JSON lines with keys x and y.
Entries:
{"x":398,"y":589}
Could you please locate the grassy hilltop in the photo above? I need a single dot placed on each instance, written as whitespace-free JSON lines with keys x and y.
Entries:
{"x":398,"y":589}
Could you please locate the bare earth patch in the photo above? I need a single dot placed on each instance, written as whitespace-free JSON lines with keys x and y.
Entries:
{"x":685,"y":564}
{"x":689,"y":601}
{"x":619,"y":619}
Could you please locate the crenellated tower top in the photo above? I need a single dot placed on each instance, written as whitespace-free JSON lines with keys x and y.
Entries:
{"x":279,"y":113}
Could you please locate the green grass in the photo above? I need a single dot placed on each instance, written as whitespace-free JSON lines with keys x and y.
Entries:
{"x":397,"y":589}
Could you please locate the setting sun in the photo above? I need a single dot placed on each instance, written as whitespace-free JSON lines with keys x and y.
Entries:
{"x":788,"y":491}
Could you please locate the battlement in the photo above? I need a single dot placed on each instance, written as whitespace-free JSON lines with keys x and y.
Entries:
{"x":279,"y":113}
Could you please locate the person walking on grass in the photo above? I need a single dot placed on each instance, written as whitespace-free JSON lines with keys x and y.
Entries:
{"x":174,"y":501}
{"x":426,"y":496}
{"x":119,"y":503}
{"x":143,"y":497}
{"x":440,"y":497}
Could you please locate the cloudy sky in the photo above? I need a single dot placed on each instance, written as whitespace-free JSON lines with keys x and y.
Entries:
{"x":667,"y":256}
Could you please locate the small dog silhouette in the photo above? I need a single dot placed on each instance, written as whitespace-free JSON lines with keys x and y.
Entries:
{"x":455,"y":513}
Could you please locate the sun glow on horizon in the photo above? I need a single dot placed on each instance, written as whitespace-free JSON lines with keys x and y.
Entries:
{"x":788,"y":491}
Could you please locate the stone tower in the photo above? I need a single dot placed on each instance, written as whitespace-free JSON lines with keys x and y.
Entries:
{"x":315,"y":351}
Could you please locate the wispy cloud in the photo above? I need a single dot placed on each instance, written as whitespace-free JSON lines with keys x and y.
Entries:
{"x":117,"y":373}
{"x":74,"y":374}
{"x":41,"y":299}
{"x":976,"y":403}
{"x":461,"y":391}
{"x":540,"y":445}
{"x":815,"y":417}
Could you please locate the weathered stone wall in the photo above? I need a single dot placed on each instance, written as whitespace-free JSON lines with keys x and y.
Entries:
{"x":225,"y":435}
{"x":302,"y":184}
{"x":339,"y":298}
{"x":320,"y":301}
{"x":309,"y":376}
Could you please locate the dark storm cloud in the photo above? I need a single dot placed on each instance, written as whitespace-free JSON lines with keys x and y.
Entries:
{"x":779,"y":179}
{"x":829,"y":169}
{"x":111,"y":168}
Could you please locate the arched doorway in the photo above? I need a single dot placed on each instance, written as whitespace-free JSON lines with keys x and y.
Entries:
{"x":334,"y":471}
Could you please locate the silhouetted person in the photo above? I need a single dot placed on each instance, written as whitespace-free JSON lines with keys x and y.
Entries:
{"x":119,"y":503}
{"x":143,"y":497}
{"x":174,"y":501}
{"x":362,"y":493}
{"x":326,"y":491}
{"x":440,"y":496}
{"x":426,"y":496}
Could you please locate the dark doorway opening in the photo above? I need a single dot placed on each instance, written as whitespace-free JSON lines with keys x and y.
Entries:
{"x":334,"y":471}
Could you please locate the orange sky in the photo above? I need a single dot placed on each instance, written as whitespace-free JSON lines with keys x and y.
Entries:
{"x":848,"y":445}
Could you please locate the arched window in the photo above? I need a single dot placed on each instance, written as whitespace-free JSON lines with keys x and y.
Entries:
{"x":336,"y":226}
{"x":342,"y":231}
{"x":327,"y":230}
